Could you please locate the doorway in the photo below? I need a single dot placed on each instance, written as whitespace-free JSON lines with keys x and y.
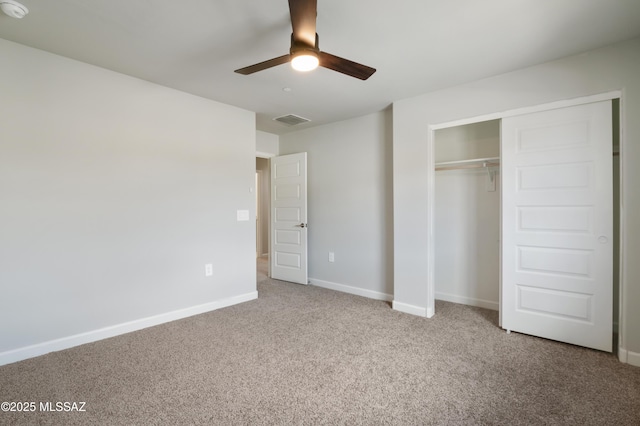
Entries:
{"x":467,"y":214}
{"x":263,"y":197}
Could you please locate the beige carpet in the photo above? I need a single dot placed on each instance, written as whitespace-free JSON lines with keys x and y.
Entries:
{"x":307,"y":355}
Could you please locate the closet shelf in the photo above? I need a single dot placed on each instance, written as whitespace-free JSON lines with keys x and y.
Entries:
{"x":469,"y":164}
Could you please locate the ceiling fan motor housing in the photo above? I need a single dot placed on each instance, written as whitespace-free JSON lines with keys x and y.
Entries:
{"x":299,"y":46}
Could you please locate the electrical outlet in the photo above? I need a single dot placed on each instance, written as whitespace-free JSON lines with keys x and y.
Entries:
{"x":208,"y":270}
{"x":332,"y":257}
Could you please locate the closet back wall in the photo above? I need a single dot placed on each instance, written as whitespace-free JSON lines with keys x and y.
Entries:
{"x":467,"y":217}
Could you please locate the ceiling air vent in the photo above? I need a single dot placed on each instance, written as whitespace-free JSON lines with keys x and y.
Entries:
{"x":291,"y":119}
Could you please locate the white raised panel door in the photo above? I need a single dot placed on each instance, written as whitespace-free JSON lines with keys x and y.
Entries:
{"x":557,"y":225}
{"x":289,"y":218}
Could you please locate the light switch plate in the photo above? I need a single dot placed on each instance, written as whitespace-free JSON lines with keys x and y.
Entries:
{"x":242,"y":215}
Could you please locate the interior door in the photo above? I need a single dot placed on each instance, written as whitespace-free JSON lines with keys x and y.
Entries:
{"x":557,"y":225}
{"x":289,"y":218}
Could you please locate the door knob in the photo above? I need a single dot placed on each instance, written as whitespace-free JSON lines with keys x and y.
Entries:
{"x":302,"y":225}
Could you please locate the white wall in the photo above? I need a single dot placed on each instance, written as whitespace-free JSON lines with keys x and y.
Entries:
{"x":350,"y":203}
{"x":267,"y":144}
{"x":476,"y":140}
{"x":114,"y":194}
{"x":612,"y":68}
{"x":467,"y":217}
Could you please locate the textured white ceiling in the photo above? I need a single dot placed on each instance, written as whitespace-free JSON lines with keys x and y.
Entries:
{"x":416,"y":45}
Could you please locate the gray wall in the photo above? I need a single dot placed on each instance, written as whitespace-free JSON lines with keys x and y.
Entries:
{"x":114,"y":194}
{"x":611,"y":68}
{"x":267,"y":144}
{"x":350,"y":203}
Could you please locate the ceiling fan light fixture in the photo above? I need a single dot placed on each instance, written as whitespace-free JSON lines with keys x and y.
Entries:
{"x":304,"y":61}
{"x":13,"y":8}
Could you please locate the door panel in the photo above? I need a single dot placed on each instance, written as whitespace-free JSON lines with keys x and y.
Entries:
{"x":557,"y":225}
{"x":289,"y":218}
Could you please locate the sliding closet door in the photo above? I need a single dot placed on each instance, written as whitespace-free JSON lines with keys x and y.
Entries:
{"x":557,"y":225}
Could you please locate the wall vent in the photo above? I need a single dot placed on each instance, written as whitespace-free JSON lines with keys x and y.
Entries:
{"x":292,"y":119}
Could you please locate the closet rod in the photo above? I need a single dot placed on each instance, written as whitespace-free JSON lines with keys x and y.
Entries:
{"x":470,"y":161}
{"x":467,"y":166}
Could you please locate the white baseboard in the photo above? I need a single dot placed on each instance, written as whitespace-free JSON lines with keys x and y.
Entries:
{"x":487,"y":304}
{"x":351,"y":290}
{"x":398,"y":306}
{"x":628,"y":357}
{"x":412,"y":309}
{"x":31,"y":351}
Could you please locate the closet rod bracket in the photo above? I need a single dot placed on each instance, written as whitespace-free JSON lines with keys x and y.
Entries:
{"x":491,"y":176}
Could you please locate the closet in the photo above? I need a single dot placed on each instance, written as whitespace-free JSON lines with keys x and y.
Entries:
{"x":525,"y":214}
{"x":467,"y":214}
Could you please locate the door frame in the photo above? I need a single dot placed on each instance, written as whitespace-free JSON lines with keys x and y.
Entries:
{"x":617,"y":94}
{"x":266,"y":221}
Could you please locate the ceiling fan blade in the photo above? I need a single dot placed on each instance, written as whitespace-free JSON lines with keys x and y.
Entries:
{"x":345,"y":66}
{"x":264,"y":65}
{"x":303,"y":20}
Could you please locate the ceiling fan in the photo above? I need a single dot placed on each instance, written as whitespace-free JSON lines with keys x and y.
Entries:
{"x":304,"y":54}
